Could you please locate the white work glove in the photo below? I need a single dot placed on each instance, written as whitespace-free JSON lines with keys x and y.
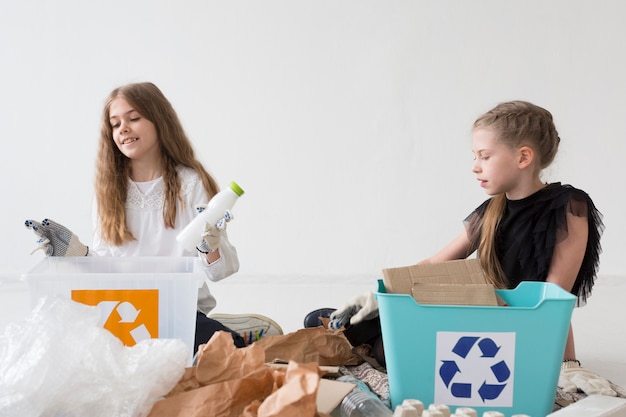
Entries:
{"x":574,"y":378}
{"x":55,"y":239}
{"x":362,"y":307}
{"x":212,"y":233}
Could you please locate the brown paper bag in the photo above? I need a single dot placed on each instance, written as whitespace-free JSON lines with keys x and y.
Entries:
{"x":231,"y":382}
{"x":317,"y":344}
{"x":219,"y":360}
{"x":297,"y":396}
{"x":222,"y":399}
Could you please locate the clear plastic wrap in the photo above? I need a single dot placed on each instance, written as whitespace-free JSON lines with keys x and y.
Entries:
{"x":59,"y":362}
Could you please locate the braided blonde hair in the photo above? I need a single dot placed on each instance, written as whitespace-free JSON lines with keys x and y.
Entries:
{"x":517,"y":124}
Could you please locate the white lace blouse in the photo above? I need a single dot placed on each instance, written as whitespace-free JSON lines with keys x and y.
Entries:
{"x":144,"y":215}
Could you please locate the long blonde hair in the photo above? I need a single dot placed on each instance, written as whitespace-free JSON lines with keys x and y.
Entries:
{"x":113,"y":167}
{"x":516,"y":123}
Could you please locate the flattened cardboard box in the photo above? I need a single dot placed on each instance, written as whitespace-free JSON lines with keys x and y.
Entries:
{"x":460,"y":282}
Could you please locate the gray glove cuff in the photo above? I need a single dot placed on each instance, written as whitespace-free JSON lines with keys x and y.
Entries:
{"x":570,"y":364}
{"x":203,"y":247}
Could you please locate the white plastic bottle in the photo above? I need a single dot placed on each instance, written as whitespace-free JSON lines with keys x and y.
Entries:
{"x":190,"y":236}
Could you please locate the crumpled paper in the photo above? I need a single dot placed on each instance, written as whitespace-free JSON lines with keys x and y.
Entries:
{"x":316,"y":344}
{"x":61,"y":362}
{"x":231,"y":382}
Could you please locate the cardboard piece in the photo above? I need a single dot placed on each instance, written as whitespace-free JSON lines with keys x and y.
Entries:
{"x":326,"y":371}
{"x":459,"y":282}
{"x":331,"y":393}
{"x":454,"y":294}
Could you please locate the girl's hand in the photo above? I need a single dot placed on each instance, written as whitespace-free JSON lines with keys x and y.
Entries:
{"x":360,"y":308}
{"x":574,"y":378}
{"x":55,"y":239}
{"x":212,"y":234}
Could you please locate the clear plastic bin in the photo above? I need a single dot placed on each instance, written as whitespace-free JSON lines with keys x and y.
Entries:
{"x":501,"y":358}
{"x":138,"y":297}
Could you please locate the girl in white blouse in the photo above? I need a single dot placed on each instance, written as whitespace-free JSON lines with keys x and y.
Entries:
{"x":148,"y":184}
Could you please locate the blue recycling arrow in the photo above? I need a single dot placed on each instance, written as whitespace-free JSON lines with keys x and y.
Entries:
{"x":460,"y":390}
{"x":464,"y":345}
{"x":501,"y":371}
{"x":488,"y":347}
{"x":489,"y":350}
{"x":490,"y":391}
{"x":447,"y":371}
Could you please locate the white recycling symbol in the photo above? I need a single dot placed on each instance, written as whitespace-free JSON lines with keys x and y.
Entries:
{"x":497,"y":373}
{"x":128,"y":314}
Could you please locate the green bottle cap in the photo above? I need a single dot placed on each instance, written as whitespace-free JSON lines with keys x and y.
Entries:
{"x":237,"y":189}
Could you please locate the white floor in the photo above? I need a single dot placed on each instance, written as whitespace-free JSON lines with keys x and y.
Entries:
{"x":598,"y":327}
{"x":599,"y":330}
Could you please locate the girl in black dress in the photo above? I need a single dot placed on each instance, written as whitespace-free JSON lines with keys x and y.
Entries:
{"x":527,"y":230}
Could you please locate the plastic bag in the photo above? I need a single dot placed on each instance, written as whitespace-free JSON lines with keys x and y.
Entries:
{"x":60,"y":363}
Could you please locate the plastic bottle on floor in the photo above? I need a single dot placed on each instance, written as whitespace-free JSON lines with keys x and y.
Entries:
{"x":359,"y":403}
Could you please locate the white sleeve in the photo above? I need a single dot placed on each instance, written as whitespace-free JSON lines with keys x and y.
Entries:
{"x":226,"y":265}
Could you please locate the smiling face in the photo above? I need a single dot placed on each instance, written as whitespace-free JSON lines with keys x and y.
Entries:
{"x":496,"y":164}
{"x":134,"y":135}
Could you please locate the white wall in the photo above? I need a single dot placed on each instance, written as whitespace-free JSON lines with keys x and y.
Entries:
{"x":346,"y":122}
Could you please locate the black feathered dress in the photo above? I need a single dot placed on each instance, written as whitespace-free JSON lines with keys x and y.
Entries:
{"x":531,"y":227}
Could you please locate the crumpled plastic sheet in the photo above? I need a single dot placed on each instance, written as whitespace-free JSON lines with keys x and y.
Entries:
{"x":59,"y":362}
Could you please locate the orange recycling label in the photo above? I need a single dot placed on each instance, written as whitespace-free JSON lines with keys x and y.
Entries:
{"x":131,"y":315}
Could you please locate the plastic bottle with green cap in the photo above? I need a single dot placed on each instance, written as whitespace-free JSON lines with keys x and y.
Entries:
{"x":190,"y":236}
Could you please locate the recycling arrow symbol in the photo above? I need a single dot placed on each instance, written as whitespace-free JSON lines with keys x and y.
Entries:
{"x":488,"y":349}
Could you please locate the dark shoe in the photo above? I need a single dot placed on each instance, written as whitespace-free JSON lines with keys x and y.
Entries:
{"x":313,"y":318}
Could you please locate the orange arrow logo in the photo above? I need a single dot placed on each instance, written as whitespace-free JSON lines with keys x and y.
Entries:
{"x":131,"y":315}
